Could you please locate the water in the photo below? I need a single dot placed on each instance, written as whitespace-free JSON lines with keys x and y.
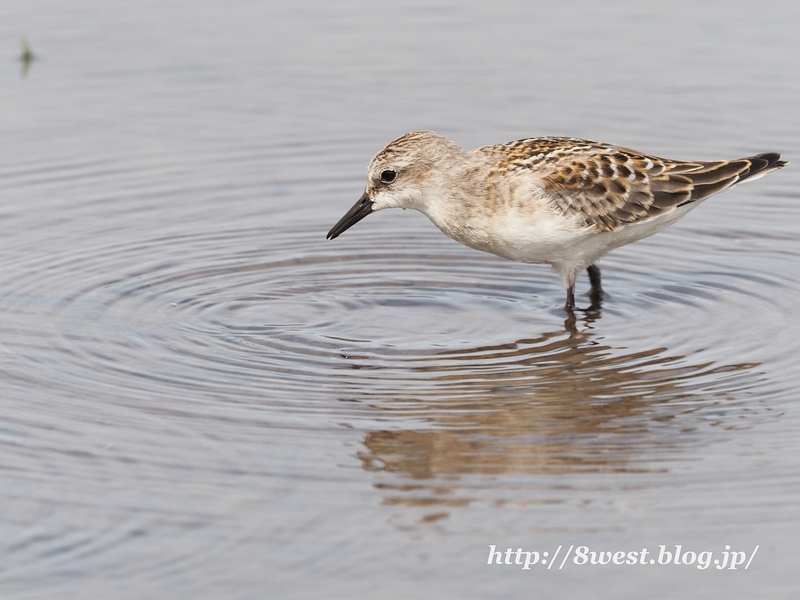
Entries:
{"x":204,"y":397}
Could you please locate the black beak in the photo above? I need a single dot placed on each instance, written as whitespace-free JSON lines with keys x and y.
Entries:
{"x":360,"y":210}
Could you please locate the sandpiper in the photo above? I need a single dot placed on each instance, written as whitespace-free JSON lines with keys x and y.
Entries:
{"x":561,"y":201}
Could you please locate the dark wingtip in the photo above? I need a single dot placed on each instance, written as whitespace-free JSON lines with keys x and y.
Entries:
{"x":761,"y":164}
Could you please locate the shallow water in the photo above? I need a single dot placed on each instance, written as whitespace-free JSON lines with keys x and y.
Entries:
{"x":203,"y":396}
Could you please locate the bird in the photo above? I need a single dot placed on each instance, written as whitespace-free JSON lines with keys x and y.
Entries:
{"x":561,"y":201}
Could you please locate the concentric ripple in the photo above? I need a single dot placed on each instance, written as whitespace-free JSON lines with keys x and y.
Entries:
{"x":281,"y":313}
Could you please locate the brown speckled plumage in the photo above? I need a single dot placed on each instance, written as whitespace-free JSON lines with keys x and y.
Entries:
{"x":608,"y":187}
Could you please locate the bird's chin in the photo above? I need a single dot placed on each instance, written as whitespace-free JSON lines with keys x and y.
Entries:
{"x":360,"y":209}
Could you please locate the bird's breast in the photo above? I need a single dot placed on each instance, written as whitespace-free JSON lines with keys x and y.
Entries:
{"x":523,"y":234}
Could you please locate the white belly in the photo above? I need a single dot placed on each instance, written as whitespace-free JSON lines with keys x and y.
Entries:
{"x":557,"y":241}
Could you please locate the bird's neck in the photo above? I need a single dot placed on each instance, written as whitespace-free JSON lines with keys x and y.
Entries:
{"x":455,"y":202}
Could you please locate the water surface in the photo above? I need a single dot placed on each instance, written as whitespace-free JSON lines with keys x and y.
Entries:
{"x":203,"y":396}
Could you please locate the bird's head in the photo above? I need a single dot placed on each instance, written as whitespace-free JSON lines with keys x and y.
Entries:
{"x":399,"y":175}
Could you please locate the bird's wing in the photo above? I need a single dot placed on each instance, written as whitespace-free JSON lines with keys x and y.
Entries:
{"x":609,"y":187}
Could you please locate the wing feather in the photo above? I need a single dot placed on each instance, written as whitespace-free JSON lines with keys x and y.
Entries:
{"x":609,"y":187}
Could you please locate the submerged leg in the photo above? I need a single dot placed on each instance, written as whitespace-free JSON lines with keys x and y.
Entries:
{"x":596,"y":293}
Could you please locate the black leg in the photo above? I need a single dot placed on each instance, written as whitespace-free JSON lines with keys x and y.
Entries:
{"x":596,"y":293}
{"x":570,"y":305}
{"x":594,"y":278}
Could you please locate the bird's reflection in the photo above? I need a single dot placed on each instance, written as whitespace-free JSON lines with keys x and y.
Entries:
{"x":562,"y":402}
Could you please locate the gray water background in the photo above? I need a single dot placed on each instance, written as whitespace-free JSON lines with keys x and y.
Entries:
{"x":202,"y":397}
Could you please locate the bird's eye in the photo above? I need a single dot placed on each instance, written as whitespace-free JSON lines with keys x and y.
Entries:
{"x":388,"y":176}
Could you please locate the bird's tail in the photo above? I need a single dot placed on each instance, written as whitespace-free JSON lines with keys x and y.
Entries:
{"x":761,"y":164}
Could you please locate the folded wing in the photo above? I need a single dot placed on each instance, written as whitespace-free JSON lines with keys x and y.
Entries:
{"x":608,"y":187}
